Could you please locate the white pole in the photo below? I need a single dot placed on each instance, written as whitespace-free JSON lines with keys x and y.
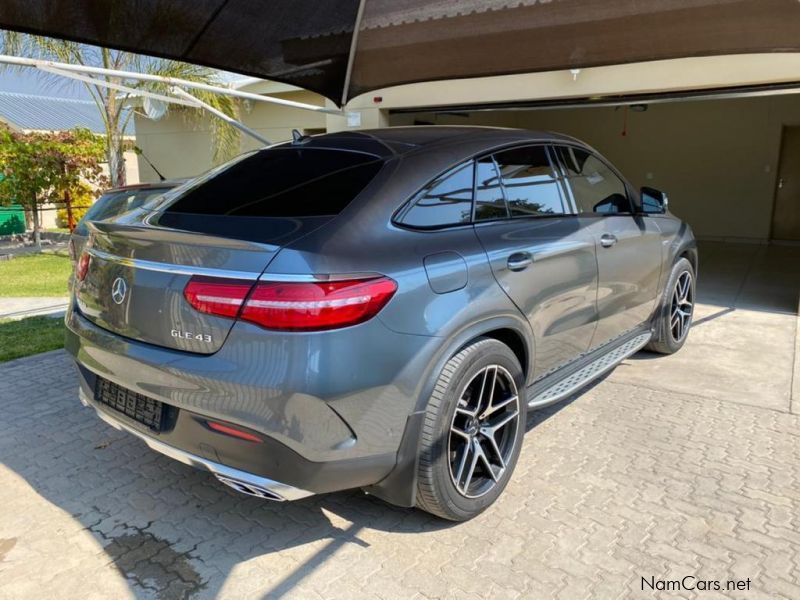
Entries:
{"x":173,"y":81}
{"x":116,"y":86}
{"x":351,"y":57}
{"x":218,"y":113}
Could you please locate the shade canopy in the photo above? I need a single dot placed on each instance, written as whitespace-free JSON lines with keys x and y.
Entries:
{"x":308,"y":43}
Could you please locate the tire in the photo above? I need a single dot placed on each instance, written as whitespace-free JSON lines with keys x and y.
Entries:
{"x":445,"y":454}
{"x":666,"y":339}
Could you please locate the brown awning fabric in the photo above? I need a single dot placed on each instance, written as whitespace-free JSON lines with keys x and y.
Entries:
{"x":307,"y":42}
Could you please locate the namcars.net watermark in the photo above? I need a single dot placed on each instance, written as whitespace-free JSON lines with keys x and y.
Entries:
{"x":692,"y":583}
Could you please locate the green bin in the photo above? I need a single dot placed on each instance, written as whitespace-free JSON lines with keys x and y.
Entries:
{"x":12,"y":219}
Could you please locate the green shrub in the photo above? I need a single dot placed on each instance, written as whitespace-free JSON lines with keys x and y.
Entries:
{"x":82,"y":198}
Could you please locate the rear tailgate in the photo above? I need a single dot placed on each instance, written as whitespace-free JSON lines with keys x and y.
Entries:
{"x":228,"y":224}
{"x":137,"y":275}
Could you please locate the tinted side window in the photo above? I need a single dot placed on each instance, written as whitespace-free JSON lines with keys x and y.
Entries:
{"x":447,"y":200}
{"x":489,"y":200}
{"x":529,"y":181}
{"x":595,"y":187}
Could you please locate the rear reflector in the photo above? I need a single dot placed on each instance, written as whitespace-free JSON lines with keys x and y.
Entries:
{"x":292,"y":306}
{"x":233,"y":431}
{"x":221,"y":297}
{"x":83,"y":266}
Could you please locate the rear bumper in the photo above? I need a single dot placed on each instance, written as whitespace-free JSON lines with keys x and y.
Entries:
{"x":242,"y":481}
{"x":320,"y":433}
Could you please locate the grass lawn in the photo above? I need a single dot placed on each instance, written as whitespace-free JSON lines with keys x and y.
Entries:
{"x":35,"y":275}
{"x":30,"y":336}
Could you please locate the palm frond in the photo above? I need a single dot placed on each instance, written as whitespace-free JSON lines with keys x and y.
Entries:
{"x":227,"y":140}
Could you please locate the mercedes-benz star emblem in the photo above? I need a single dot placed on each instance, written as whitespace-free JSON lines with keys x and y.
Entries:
{"x":119,"y":290}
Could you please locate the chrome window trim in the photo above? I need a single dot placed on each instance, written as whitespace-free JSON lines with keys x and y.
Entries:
{"x":150,"y":265}
{"x":312,"y":278}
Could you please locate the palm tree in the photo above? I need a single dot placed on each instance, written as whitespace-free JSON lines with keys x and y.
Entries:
{"x":111,"y":103}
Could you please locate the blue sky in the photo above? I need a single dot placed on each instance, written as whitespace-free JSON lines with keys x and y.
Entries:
{"x":30,"y":81}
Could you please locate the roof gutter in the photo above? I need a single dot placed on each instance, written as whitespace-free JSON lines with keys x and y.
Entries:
{"x":726,"y":93}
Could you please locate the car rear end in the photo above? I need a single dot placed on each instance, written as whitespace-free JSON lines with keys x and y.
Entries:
{"x":113,"y":203}
{"x":184,"y":337}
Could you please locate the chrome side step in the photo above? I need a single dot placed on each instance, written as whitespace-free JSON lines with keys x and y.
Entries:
{"x":572,"y":383}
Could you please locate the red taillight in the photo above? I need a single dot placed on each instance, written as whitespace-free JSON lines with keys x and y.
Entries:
{"x":83,"y":266}
{"x":221,"y":297}
{"x":233,"y":431}
{"x":293,"y":306}
{"x":316,"y":306}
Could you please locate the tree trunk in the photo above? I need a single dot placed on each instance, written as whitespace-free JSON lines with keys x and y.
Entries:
{"x":70,"y":217}
{"x":116,"y":159}
{"x":116,"y":154}
{"x":37,"y":227}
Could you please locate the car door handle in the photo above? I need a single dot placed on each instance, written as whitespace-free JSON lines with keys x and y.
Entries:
{"x":607,"y":240}
{"x":519,"y":261}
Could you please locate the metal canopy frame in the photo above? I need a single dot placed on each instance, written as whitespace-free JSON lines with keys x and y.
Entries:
{"x":178,"y":93}
{"x":351,"y":57}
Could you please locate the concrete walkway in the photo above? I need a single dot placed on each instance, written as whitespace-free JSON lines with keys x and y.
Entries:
{"x":20,"y":308}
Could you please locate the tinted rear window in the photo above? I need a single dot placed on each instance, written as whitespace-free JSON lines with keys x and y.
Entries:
{"x":115,"y":203}
{"x":282,"y":182}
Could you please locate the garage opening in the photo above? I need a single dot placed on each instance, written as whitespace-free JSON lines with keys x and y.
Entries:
{"x":731,"y":167}
{"x":725,"y":163}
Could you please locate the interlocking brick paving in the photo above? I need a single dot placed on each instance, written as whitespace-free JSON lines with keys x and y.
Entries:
{"x":618,"y":484}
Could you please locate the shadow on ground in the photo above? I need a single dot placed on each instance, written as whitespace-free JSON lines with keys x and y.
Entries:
{"x":171,"y":531}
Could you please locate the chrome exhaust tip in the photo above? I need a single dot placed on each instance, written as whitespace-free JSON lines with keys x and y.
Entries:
{"x":250,"y":489}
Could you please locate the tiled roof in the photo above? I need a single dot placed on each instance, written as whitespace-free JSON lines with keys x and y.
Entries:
{"x":30,"y":112}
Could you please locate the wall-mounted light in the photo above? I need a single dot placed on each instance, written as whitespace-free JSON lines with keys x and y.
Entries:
{"x":575,"y":73}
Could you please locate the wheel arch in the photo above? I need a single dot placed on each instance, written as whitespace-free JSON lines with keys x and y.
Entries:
{"x":399,"y":486}
{"x":689,"y":252}
{"x":511,"y":338}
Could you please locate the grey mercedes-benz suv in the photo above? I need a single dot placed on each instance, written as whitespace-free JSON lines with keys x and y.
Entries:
{"x":375,"y":309}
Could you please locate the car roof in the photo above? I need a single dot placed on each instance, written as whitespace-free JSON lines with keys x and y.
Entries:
{"x":393,"y":141}
{"x":423,"y":135}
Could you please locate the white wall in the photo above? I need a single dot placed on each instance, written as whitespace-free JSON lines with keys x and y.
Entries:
{"x":717,"y":159}
{"x":181,"y":146}
{"x":694,"y":73}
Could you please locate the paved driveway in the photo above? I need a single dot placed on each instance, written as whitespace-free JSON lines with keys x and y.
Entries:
{"x":23,"y":307}
{"x":668,"y":468}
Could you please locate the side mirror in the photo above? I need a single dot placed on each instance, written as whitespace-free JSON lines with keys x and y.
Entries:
{"x":654,"y":201}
